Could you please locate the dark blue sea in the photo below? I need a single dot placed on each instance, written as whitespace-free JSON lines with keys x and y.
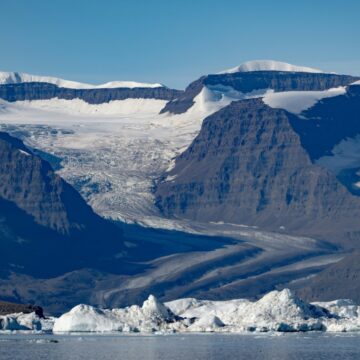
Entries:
{"x":190,"y":347}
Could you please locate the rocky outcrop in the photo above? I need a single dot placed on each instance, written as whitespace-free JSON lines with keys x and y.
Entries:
{"x":257,"y":80}
{"x":44,"y":91}
{"x":11,"y":308}
{"x":248,"y":166}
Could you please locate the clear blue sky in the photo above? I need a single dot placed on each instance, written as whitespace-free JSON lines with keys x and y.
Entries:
{"x":174,"y":41}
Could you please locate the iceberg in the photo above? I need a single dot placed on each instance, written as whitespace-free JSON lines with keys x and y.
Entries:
{"x":25,"y":322}
{"x":151,"y":317}
{"x":277,"y":311}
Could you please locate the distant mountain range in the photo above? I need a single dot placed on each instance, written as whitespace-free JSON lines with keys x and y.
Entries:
{"x":263,"y":153}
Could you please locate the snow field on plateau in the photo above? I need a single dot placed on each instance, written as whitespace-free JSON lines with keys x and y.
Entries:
{"x":269,"y":65}
{"x":298,"y":101}
{"x":16,"y":78}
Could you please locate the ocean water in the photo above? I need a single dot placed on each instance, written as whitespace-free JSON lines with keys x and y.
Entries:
{"x":179,"y":347}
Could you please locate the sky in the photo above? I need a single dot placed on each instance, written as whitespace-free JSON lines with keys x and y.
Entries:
{"x":174,"y":41}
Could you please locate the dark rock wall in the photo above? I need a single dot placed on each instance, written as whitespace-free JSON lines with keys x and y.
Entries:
{"x":43,"y":91}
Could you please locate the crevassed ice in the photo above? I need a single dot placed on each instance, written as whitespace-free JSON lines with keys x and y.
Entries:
{"x":119,"y":147}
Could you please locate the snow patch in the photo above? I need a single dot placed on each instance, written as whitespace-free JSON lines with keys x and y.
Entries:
{"x":170,"y":178}
{"x":24,"y":152}
{"x":298,"y":101}
{"x":269,"y":65}
{"x":345,"y":155}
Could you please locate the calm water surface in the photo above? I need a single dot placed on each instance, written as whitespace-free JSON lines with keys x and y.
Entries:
{"x":189,"y":347}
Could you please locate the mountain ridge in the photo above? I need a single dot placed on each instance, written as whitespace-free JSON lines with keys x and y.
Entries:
{"x":7,"y":78}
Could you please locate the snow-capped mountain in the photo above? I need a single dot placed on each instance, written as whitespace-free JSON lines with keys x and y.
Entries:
{"x":24,"y":87}
{"x":271,"y":160}
{"x":259,"y":76}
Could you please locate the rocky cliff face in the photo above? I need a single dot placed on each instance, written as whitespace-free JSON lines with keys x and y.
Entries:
{"x":44,"y":91}
{"x":46,"y":227}
{"x":248,"y":166}
{"x":257,"y":80}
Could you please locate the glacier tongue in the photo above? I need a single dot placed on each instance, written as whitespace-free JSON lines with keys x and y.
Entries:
{"x":114,"y":152}
{"x":277,"y":311}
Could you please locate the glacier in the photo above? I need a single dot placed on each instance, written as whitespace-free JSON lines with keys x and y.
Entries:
{"x":114,"y":152}
{"x":277,"y":311}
